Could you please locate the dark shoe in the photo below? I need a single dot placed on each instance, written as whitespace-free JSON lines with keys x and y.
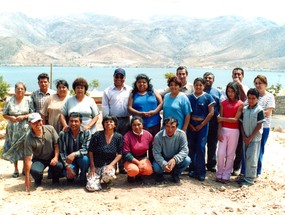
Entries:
{"x":201,"y":178}
{"x":70,"y":180}
{"x":82,"y":183}
{"x":219,"y":180}
{"x":212,"y":169}
{"x":159,"y":178}
{"x":15,"y":175}
{"x":122,"y":171}
{"x":225,"y":181}
{"x":131,"y":179}
{"x":55,"y":181}
{"x":245,"y":183}
{"x":175,"y":178}
{"x":191,"y":174}
{"x":38,"y":182}
{"x":138,"y":178}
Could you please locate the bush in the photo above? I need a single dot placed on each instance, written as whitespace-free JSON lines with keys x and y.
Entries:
{"x":4,"y":87}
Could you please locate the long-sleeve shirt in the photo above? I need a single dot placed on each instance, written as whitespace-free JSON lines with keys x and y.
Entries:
{"x":166,"y":148}
{"x":68,"y":143}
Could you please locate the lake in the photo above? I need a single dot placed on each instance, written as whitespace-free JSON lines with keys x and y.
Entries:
{"x":104,"y":75}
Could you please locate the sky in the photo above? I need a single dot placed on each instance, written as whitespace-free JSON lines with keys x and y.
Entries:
{"x":143,"y":9}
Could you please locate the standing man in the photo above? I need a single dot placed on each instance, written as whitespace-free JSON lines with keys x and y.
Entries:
{"x":170,"y":151}
{"x":73,"y":147}
{"x":237,"y":75}
{"x":41,"y":150}
{"x":115,"y":102}
{"x":182,"y":75}
{"x":212,"y":139}
{"x":39,"y":96}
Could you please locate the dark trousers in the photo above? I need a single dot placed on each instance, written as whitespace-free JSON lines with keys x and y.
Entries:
{"x":238,"y":158}
{"x":38,"y":167}
{"x":212,"y":143}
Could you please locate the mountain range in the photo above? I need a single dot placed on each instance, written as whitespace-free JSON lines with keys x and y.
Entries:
{"x":97,"y":40}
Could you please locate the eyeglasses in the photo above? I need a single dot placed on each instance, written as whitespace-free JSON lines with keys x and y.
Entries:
{"x":119,"y":77}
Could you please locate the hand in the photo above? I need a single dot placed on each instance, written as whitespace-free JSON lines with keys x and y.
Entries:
{"x":141,"y":167}
{"x":70,"y":158}
{"x":192,"y":128}
{"x":220,"y":137}
{"x":246,"y":140}
{"x":86,"y":127}
{"x":53,"y":161}
{"x":198,"y":127}
{"x":219,"y":118}
{"x":170,"y":165}
{"x":70,"y":174}
{"x":92,"y":171}
{"x":20,"y":118}
{"x":65,"y":128}
{"x":13,"y":119}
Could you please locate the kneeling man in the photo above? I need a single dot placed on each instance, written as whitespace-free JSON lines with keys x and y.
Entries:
{"x":73,"y":144}
{"x":170,"y":151}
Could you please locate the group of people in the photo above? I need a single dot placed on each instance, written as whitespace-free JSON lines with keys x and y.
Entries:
{"x":57,"y":130}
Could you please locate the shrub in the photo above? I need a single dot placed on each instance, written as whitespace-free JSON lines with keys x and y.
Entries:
{"x":4,"y":87}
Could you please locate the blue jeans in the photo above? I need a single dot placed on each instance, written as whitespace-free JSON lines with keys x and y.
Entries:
{"x":82,"y":164}
{"x":197,"y":143}
{"x":39,"y":165}
{"x":178,"y":169}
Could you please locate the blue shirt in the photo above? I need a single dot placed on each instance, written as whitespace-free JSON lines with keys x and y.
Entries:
{"x":216,"y":94}
{"x":200,"y":104}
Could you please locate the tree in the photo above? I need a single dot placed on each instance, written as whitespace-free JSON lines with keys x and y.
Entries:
{"x":167,"y":75}
{"x":4,"y":87}
{"x":94,"y":84}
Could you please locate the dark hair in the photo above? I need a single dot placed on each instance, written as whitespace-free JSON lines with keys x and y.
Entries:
{"x":199,"y":79}
{"x":109,"y":117}
{"x":22,"y":83}
{"x":181,"y":68}
{"x":170,"y":120}
{"x":238,"y":68}
{"x":207,"y":74}
{"x":136,"y":118}
{"x":61,"y":82}
{"x":234,"y":87}
{"x":175,"y":80}
{"x":75,"y":115}
{"x":149,"y":85}
{"x":262,"y":78}
{"x":253,"y":91}
{"x":43,"y":76}
{"x":80,"y":82}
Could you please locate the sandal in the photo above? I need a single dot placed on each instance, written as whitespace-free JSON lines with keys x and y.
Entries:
{"x":15,"y":175}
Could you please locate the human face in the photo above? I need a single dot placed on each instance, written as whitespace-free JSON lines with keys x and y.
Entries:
{"x":174,"y":88}
{"x":170,"y":128}
{"x":43,"y":84}
{"x":182,"y":76}
{"x":20,"y":90}
{"x":80,"y":91}
{"x":198,"y":88}
{"x":62,"y":91}
{"x":142,"y":85}
{"x":231,"y":94}
{"x":137,"y":126}
{"x":36,"y":126}
{"x":109,"y":125}
{"x":119,"y":80}
{"x":237,"y":75}
{"x":252,"y":100}
{"x":259,"y":85}
{"x":74,"y":123}
{"x":209,"y":80}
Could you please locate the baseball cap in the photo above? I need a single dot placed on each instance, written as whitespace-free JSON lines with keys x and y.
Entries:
{"x":33,"y":117}
{"x":120,"y":71}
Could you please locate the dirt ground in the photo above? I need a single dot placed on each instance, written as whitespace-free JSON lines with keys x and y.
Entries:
{"x":267,"y":196}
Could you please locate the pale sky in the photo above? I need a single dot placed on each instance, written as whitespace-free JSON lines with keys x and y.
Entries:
{"x":143,"y":9}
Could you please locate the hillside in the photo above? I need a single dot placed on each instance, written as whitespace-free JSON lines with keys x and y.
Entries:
{"x":97,"y":40}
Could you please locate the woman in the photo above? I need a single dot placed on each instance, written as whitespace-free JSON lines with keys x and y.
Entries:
{"x":16,"y":111}
{"x":53,"y":105}
{"x":137,"y":144}
{"x":82,"y":104}
{"x":176,"y":104}
{"x":146,"y":103}
{"x":267,"y":102}
{"x":105,"y":150}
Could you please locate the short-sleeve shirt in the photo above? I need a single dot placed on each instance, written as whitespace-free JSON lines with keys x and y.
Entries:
{"x":104,"y":153}
{"x":229,"y":110}
{"x":200,"y":104}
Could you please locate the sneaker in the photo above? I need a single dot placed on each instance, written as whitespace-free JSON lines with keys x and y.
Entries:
{"x":159,"y":178}
{"x":201,"y":178}
{"x":15,"y":175}
{"x":235,"y":173}
{"x":175,"y":178}
{"x":245,"y":183}
{"x":225,"y":181}
{"x":131,"y":179}
{"x":219,"y":180}
{"x":38,"y":182}
{"x":191,"y":174}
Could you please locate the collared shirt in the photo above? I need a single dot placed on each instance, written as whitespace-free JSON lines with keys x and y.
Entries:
{"x":39,"y":98}
{"x":41,"y":147}
{"x":68,"y":143}
{"x":115,"y":101}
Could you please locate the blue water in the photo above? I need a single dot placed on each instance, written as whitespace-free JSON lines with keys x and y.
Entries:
{"x":105,"y":75}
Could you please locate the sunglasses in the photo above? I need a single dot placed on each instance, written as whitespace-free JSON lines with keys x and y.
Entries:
{"x":119,"y":77}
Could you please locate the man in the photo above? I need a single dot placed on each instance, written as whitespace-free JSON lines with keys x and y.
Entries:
{"x":39,"y":96}
{"x":41,"y":150}
{"x":238,"y":75}
{"x":182,"y":75}
{"x":115,"y":102}
{"x":73,"y":144}
{"x":212,"y":139}
{"x":170,"y":151}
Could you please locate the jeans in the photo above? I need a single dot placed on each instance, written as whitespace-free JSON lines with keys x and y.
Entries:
{"x":82,"y":164}
{"x":39,"y":165}
{"x":197,"y":143}
{"x":178,"y":169}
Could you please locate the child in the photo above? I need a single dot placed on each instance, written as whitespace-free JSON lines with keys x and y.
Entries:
{"x":202,"y":105}
{"x":251,"y":128}
{"x":228,"y":132}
